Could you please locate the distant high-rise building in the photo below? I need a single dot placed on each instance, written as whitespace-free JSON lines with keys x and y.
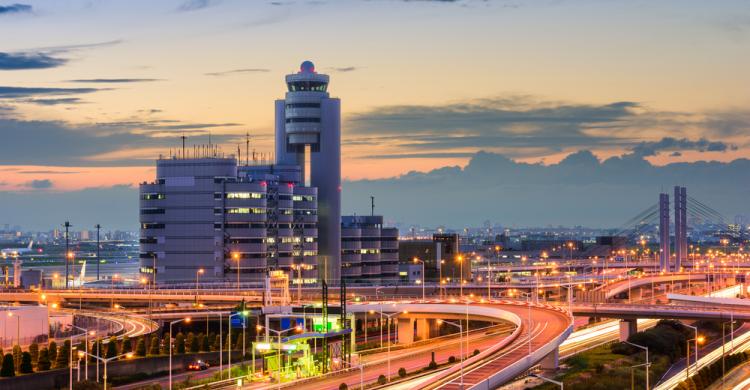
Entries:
{"x":207,"y":213}
{"x":308,"y":131}
{"x":369,"y":251}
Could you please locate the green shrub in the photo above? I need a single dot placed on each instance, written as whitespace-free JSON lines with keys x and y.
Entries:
{"x":62,"y":355}
{"x":154,"y":348}
{"x":43,"y":363}
{"x":140,"y":347}
{"x":381,"y":379}
{"x":8,"y":369}
{"x":34,"y":351}
{"x":179,"y":343}
{"x":402,"y":372}
{"x":451,"y":359}
{"x":112,"y":347}
{"x":127,"y":345}
{"x":343,"y":386}
{"x":476,"y":352}
{"x":25,"y":367}
{"x":432,"y":365}
{"x":52,"y":351}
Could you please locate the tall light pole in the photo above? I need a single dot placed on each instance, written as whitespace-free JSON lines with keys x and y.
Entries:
{"x":127,"y":355}
{"x":98,"y":260}
{"x":697,"y":339}
{"x":723,"y":352}
{"x":236,"y":257}
{"x":417,"y":260}
{"x":186,"y":320}
{"x":647,"y":364}
{"x":278,"y":333}
{"x":460,"y":335}
{"x":489,"y":280}
{"x":86,"y":340}
{"x":67,"y":226}
{"x":389,"y":316}
{"x":461,"y":277}
{"x":198,"y":273}
{"x":440,"y":282}
{"x":244,"y":318}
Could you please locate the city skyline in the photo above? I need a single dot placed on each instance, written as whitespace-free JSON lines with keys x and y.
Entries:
{"x":87,"y":112}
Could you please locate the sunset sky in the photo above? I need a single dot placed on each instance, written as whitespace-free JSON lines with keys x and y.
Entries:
{"x":91,"y":92}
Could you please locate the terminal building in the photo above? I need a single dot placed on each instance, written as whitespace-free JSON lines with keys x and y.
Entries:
{"x":206,"y":218}
{"x":369,"y":251}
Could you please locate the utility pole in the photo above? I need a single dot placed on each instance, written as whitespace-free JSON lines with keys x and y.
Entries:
{"x":98,"y":261}
{"x":67,"y":225}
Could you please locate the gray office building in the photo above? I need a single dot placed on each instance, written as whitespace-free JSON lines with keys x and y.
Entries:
{"x":369,"y":251}
{"x":210,"y":214}
{"x":308,"y":130}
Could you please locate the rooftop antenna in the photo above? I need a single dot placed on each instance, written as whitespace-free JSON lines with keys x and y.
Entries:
{"x":372,"y":205}
{"x":247,"y":148}
{"x":183,"y":144}
{"x":239,"y":154}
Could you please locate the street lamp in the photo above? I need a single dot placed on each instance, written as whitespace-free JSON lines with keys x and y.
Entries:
{"x":562,"y":387}
{"x":86,"y":340}
{"x":186,"y":320}
{"x":198,"y":273}
{"x":460,"y":342}
{"x":647,"y":364}
{"x":460,"y":260}
{"x":236,"y":257}
{"x":278,"y":333}
{"x":244,"y":315}
{"x":723,"y":353}
{"x":417,"y":260}
{"x":127,"y":355}
{"x":389,"y":316}
{"x":697,"y":340}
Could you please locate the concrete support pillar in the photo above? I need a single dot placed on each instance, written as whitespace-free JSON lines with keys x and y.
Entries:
{"x":423,"y":331}
{"x":434,"y":327}
{"x":551,"y":361}
{"x":627,"y":328}
{"x":405,"y":330}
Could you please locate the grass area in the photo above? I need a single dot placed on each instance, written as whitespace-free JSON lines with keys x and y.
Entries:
{"x":601,"y":369}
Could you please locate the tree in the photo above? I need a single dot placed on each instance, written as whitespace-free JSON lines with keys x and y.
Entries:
{"x":52,"y":351}
{"x":140,"y":347}
{"x":205,"y":346}
{"x":112,"y":347}
{"x":8,"y":368}
{"x":17,"y":355}
{"x":25,"y":367}
{"x":43,"y":364}
{"x":154,"y":347}
{"x":165,"y":343}
{"x":127,"y":345}
{"x":193,"y":342}
{"x":34,"y":352}
{"x":179,"y":343}
{"x":62,"y":355}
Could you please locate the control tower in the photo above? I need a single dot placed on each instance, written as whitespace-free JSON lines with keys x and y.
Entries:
{"x":308,"y":134}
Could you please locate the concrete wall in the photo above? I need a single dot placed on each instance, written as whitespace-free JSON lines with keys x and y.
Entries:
{"x":56,"y":379}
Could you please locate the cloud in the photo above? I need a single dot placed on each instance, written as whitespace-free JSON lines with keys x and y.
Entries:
{"x":39,"y":184}
{"x":53,"y":102}
{"x":21,"y":61}
{"x":195,"y":5}
{"x":113,"y":81}
{"x":345,"y":69}
{"x":234,"y":71}
{"x":673,"y":144}
{"x":15,"y":9}
{"x":579,"y":190}
{"x":74,"y":47}
{"x":47,"y":172}
{"x":521,"y":126}
{"x":56,"y":143}
{"x":21,"y":92}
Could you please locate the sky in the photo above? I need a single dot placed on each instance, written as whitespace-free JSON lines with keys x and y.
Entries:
{"x":91,"y":92}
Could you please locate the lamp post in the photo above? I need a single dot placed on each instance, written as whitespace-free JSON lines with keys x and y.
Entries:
{"x":244,"y":315}
{"x":697,"y":340}
{"x":417,"y":260}
{"x":198,"y":273}
{"x":460,"y":335}
{"x":461,"y":277}
{"x":389,"y":316}
{"x":86,"y":340}
{"x":647,"y":364}
{"x":562,"y":387}
{"x":489,"y":280}
{"x":278,"y":333}
{"x":186,"y":320}
{"x":440,"y":282}
{"x":236,"y":257}
{"x":128,"y":355}
{"x":361,"y":373}
{"x":723,"y":352}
